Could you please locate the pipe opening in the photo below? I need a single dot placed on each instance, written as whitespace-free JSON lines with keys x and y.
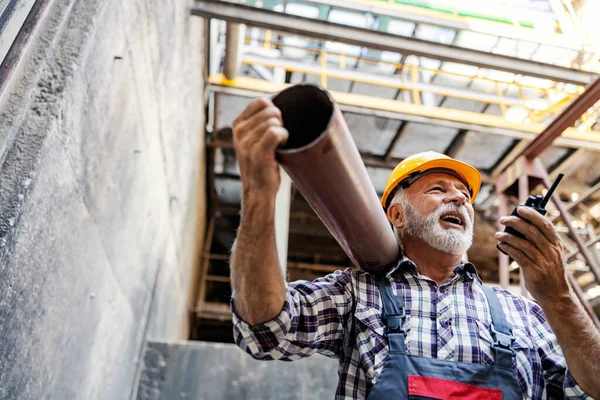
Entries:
{"x":306,"y":112}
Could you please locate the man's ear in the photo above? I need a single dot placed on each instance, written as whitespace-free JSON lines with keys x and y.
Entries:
{"x":395,"y":215}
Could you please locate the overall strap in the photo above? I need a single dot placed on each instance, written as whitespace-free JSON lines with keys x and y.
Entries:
{"x":501,"y":331}
{"x":392,"y":314}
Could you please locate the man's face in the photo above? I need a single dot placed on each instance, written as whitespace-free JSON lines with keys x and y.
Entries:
{"x":439,"y":212}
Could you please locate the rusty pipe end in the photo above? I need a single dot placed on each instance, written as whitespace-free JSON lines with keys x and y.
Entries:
{"x":307,"y":111}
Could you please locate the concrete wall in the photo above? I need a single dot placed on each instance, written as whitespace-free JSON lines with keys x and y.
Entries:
{"x":215,"y":371}
{"x":101,"y":132}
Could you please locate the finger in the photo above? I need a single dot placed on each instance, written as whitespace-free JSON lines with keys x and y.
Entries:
{"x":273,"y":138}
{"x":250,"y":126}
{"x":258,"y":132}
{"x":527,"y":229}
{"x":541,"y":222}
{"x":515,"y":254}
{"x":252,"y":109}
{"x":528,"y":249}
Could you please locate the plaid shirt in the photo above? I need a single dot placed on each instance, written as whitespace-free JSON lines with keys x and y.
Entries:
{"x":339,"y":316}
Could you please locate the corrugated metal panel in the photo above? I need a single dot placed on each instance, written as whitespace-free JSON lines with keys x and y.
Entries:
{"x":401,"y":28}
{"x":374,"y":90}
{"x":515,"y":48}
{"x":552,"y":155}
{"x":420,"y":137}
{"x":229,"y":107}
{"x":554,"y":55}
{"x":483,"y":151}
{"x":371,"y":134}
{"x":462,"y":104}
{"x":475,"y":40}
{"x":337,"y":85}
{"x":379,"y":177}
{"x":435,"y":33}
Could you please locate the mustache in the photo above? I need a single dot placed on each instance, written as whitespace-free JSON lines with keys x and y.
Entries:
{"x":451,"y":207}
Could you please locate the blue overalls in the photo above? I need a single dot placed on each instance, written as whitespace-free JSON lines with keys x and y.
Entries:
{"x":413,"y":377}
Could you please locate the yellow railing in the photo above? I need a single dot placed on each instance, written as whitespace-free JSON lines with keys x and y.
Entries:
{"x":491,"y":86}
{"x":342,"y":55}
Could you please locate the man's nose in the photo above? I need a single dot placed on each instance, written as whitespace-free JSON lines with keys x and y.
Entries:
{"x":456,"y":197}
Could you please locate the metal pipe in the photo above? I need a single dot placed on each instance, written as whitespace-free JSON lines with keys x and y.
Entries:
{"x":581,"y":297}
{"x":587,"y":244}
{"x":584,"y":197}
{"x":325,"y":165}
{"x":233,"y":47}
{"x":377,"y":40}
{"x":564,"y":215}
{"x":503,"y":272}
{"x":523,"y":194}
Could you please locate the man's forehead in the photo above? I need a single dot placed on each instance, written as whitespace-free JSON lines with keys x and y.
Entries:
{"x":440,"y":178}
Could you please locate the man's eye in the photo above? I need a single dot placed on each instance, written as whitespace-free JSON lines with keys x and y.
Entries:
{"x":437,"y":188}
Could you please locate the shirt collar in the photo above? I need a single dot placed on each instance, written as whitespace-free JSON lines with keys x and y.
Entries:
{"x":465,"y":269}
{"x":404,"y":263}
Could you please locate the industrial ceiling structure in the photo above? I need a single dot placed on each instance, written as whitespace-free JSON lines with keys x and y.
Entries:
{"x":469,"y":79}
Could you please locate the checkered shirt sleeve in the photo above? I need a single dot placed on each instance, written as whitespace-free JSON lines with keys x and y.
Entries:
{"x":313,"y":320}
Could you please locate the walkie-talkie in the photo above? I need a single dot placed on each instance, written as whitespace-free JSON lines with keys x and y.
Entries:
{"x":538,"y":203}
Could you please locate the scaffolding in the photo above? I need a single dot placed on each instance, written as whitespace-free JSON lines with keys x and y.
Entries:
{"x":476,"y":86}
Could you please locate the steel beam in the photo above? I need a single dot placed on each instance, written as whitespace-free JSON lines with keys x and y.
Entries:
{"x":393,"y":81}
{"x":390,"y":150}
{"x":12,"y":17}
{"x":458,"y":142}
{"x":325,"y":30}
{"x":566,"y":119}
{"x":15,"y":33}
{"x":398,"y":110}
{"x":559,"y":126}
{"x":588,"y":193}
{"x":503,"y":269}
{"x":408,"y":13}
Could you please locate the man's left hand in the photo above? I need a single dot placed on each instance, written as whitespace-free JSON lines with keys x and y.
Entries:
{"x":540,"y":256}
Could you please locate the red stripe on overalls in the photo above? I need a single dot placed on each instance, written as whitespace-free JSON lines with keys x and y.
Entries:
{"x":447,"y":390}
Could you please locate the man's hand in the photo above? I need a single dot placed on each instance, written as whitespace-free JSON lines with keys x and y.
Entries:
{"x":540,"y":256}
{"x":541,"y":260}
{"x":257,"y":132}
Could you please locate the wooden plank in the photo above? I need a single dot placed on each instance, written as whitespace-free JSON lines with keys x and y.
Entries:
{"x":218,"y":278}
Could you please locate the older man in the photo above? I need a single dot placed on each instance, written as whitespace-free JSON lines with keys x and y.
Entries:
{"x":428,"y":328}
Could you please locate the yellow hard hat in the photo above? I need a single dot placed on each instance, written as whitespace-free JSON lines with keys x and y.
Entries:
{"x":415,"y":166}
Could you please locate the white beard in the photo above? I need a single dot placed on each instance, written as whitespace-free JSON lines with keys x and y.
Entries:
{"x":428,"y":229}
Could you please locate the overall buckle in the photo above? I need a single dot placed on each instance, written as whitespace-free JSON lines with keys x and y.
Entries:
{"x":503,"y":340}
{"x":394,"y":323}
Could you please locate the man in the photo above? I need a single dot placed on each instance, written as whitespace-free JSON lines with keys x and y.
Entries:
{"x":428,"y":327}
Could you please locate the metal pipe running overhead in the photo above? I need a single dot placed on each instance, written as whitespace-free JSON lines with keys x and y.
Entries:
{"x":325,"y":30}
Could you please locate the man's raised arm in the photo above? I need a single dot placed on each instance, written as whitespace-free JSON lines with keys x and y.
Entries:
{"x":256,"y":276}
